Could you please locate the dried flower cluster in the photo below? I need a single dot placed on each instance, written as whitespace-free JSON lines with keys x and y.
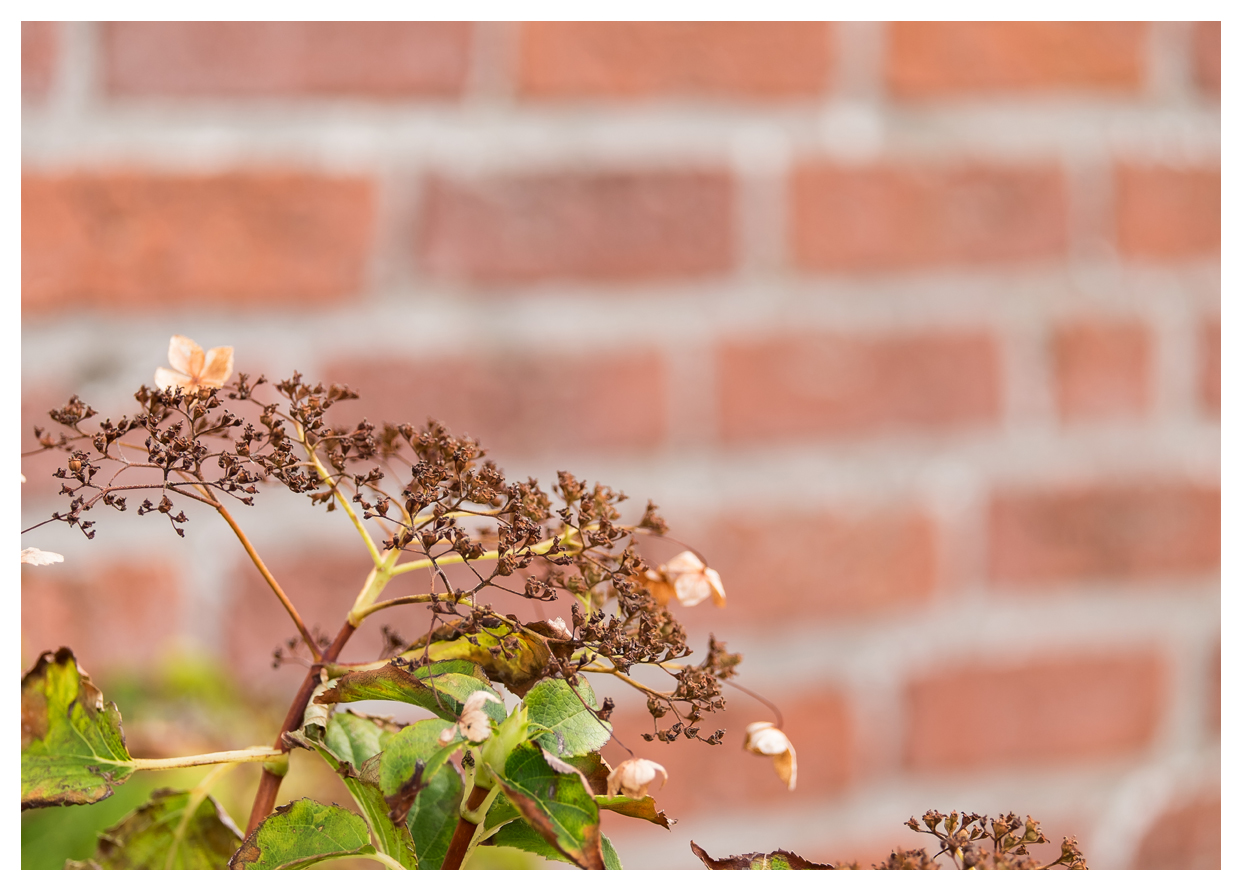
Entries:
{"x":973,"y":841}
{"x":435,"y":497}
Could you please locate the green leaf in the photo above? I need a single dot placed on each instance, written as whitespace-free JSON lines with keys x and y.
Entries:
{"x":501,"y":811}
{"x":571,"y":728}
{"x":521,"y":835}
{"x":442,"y":694}
{"x":410,"y":762}
{"x":355,"y":738}
{"x":592,"y":766}
{"x":73,"y":749}
{"x":555,"y":800}
{"x":528,"y":654}
{"x":163,"y":835}
{"x":775,"y":860}
{"x":433,"y":816}
{"x":301,"y":834}
{"x":392,"y":837}
{"x":642,"y":808}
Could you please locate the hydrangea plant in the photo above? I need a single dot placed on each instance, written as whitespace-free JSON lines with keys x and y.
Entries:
{"x":476,"y":772}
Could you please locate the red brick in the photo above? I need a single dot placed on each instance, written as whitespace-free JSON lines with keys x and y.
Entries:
{"x":815,"y":565}
{"x":602,"y":226}
{"x":1104,"y":532}
{"x":134,"y":241}
{"x":369,"y":59}
{"x":40,"y":46}
{"x":1209,"y":366}
{"x":111,"y":613}
{"x":704,"y":778}
{"x":1185,"y":837}
{"x":1207,"y":56}
{"x":886,"y":217}
{"x":1103,"y":369}
{"x":1168,"y":214}
{"x":803,"y":386}
{"x":1052,"y":709}
{"x":933,"y":59}
{"x":626,"y":60}
{"x":520,"y":404}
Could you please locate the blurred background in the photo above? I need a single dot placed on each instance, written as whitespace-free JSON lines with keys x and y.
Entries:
{"x":912,"y":329}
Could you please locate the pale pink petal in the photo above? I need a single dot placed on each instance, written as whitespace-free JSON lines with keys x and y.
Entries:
{"x":713,"y":580}
{"x":686,"y":561}
{"x":692,"y":588}
{"x":36,"y":557}
{"x":218,"y":367}
{"x":165,"y":378}
{"x":185,"y":355}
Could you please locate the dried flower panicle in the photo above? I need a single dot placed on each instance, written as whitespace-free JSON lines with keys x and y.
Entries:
{"x":214,"y":438}
{"x":974,"y":841}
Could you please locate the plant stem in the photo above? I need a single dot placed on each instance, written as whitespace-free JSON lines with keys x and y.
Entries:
{"x":465,"y":829}
{"x":270,"y":579}
{"x":237,"y":756}
{"x":269,"y":783}
{"x":539,"y":548}
{"x":340,"y":496}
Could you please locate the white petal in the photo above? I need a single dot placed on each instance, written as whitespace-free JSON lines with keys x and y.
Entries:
{"x":185,"y":355}
{"x":692,"y":588}
{"x":218,"y":367}
{"x":713,"y":580}
{"x":36,"y":557}
{"x":686,"y":561}
{"x":164,"y":378}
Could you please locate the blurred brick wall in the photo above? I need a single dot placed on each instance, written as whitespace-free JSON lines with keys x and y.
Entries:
{"x":913,"y":329}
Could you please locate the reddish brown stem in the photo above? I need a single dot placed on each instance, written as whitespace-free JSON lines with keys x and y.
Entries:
{"x":464,"y":831}
{"x":269,"y":783}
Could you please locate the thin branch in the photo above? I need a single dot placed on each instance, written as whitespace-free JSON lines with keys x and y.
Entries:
{"x":271,"y":580}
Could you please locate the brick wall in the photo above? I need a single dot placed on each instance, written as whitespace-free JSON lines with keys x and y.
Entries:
{"x":913,"y":329}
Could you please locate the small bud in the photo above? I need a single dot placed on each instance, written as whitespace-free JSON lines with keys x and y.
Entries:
{"x":631,"y":778}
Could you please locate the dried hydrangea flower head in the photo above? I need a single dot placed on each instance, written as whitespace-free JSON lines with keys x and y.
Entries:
{"x":36,"y":557}
{"x":192,"y":369}
{"x":631,"y":778}
{"x":473,"y":722}
{"x":765,"y":738}
{"x":687,"y":578}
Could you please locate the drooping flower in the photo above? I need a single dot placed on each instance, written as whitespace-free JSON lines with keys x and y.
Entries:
{"x":473,"y":723}
{"x":192,"y":369}
{"x":687,"y":578}
{"x":765,"y":738}
{"x":631,"y":778}
{"x":36,"y":557}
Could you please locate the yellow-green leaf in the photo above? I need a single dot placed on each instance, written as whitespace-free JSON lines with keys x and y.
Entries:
{"x":163,"y":835}
{"x":73,"y":748}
